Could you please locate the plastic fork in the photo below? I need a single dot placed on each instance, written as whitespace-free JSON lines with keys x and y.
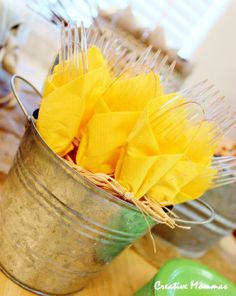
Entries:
{"x":225,"y":171}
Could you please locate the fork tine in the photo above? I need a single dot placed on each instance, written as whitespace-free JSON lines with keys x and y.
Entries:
{"x":76,"y":49}
{"x":188,"y":91}
{"x":154,"y":59}
{"x":224,"y":183}
{"x":143,"y":57}
{"x":83,"y":42}
{"x":225,"y":171}
{"x":70,"y":57}
{"x":215,"y":106}
{"x":171,"y":131}
{"x":220,"y":159}
{"x":171,"y":69}
{"x":64,"y":44}
{"x":160,"y":66}
{"x":94,"y":38}
{"x":169,"y":73}
{"x":85,"y":47}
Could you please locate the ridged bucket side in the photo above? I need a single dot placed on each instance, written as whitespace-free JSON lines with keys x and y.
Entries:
{"x":57,"y":230}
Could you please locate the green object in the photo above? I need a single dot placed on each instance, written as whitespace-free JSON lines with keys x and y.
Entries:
{"x":183,"y":277}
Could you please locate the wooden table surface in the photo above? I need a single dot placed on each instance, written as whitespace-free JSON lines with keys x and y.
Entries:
{"x":128,"y":273}
{"x":123,"y":277}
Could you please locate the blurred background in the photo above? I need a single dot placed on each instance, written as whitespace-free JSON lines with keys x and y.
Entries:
{"x":198,"y":34}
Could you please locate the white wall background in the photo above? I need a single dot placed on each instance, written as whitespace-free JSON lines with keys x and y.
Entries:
{"x":216,"y":58}
{"x":39,"y":51}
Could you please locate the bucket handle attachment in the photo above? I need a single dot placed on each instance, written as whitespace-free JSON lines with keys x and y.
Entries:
{"x":208,"y":208}
{"x":14,"y":90}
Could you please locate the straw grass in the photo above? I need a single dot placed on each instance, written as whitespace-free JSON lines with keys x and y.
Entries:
{"x":152,"y":209}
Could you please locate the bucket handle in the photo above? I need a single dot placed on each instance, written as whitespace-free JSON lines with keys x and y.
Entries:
{"x":14,"y":90}
{"x":200,"y":222}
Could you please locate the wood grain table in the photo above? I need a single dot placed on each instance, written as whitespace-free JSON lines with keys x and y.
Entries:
{"x":123,"y":277}
{"x":129,"y":272}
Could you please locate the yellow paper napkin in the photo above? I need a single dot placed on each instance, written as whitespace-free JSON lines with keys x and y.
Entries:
{"x":116,"y":113}
{"x":66,"y":108}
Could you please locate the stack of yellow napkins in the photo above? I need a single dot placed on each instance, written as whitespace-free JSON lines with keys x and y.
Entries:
{"x":128,"y":128}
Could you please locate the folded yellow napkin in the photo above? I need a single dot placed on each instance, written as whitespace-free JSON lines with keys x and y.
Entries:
{"x":143,"y":159}
{"x":153,"y":144}
{"x":192,"y":175}
{"x":59,"y":118}
{"x":115,"y":115}
{"x":66,"y":72}
{"x":156,"y":158}
{"x":197,"y":186}
{"x":185,"y":181}
{"x":132,"y":93}
{"x":66,"y":107}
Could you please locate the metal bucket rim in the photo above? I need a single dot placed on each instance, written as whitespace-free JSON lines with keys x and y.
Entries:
{"x":103,"y":193}
{"x":76,"y":175}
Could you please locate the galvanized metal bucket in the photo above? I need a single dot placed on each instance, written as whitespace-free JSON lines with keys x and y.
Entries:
{"x":197,"y":242}
{"x":57,"y":230}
